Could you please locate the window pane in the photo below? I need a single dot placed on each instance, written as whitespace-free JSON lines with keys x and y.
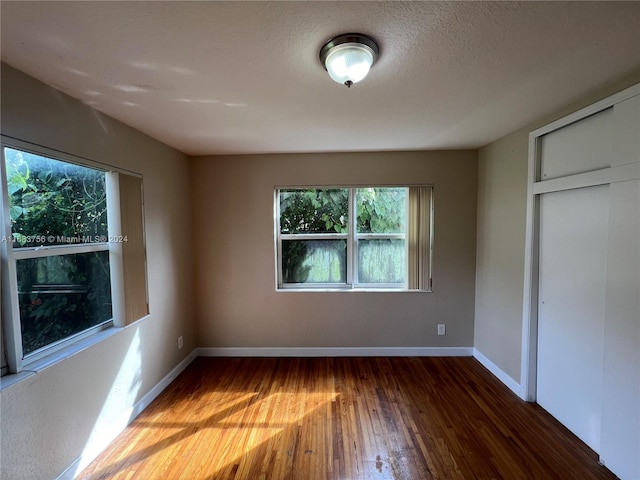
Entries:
{"x":314,"y":211}
{"x":314,"y":261}
{"x":60,"y":296}
{"x":381,"y":210}
{"x":53,"y":202}
{"x":382,"y":261}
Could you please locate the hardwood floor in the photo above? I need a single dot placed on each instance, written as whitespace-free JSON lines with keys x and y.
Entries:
{"x":343,"y":418}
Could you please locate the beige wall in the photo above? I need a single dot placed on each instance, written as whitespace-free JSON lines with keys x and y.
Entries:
{"x":51,"y":418}
{"x":233,"y":231}
{"x":502,"y":199}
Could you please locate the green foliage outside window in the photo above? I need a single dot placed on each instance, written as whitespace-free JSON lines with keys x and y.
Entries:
{"x":314,"y":211}
{"x":52,"y":202}
{"x":55,"y":203}
{"x":381,"y":210}
{"x":378,"y":210}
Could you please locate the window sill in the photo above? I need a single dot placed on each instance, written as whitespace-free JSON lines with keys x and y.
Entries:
{"x":42,"y":364}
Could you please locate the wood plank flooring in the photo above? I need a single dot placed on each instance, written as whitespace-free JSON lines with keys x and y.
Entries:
{"x":343,"y":418}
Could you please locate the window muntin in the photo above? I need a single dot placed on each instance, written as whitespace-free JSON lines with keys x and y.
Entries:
{"x":347,"y":238}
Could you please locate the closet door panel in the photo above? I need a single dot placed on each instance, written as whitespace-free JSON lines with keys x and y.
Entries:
{"x":572,"y":287}
{"x":579,"y":147}
{"x":621,"y":388}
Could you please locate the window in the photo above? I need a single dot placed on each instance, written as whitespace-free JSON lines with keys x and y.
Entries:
{"x":346,"y":238}
{"x":63,"y":276}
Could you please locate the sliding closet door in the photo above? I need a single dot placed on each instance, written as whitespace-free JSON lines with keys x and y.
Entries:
{"x":571,"y":321}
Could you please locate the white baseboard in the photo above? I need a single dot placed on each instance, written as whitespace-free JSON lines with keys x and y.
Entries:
{"x":336,"y":352}
{"x":151,"y":395}
{"x":497,"y":372}
{"x":129,"y":415}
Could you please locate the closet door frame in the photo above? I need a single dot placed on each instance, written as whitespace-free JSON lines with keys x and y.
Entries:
{"x":535,"y":188}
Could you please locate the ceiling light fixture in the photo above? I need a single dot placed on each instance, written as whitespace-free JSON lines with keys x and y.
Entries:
{"x":348,"y":57}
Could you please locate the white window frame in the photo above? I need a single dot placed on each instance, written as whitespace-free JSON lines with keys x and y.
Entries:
{"x":352,"y":238}
{"x":11,"y":324}
{"x":356,"y":237}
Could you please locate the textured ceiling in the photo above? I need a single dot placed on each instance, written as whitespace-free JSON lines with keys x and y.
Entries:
{"x":244,"y":77}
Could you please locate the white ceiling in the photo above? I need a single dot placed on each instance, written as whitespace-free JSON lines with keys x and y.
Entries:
{"x":244,"y":77}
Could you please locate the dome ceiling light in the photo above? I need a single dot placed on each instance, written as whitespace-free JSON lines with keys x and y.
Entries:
{"x":348,"y":57}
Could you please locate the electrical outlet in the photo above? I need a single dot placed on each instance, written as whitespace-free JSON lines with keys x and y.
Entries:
{"x":441,"y":329}
{"x":180,"y":342}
